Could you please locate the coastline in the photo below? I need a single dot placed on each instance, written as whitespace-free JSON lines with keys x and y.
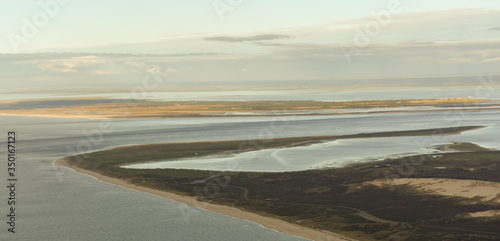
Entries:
{"x":268,"y":222}
{"x":50,"y":116}
{"x":232,"y":115}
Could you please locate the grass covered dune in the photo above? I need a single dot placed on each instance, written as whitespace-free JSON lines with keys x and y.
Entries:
{"x":363,"y":202}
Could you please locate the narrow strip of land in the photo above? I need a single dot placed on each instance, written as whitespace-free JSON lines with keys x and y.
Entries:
{"x":268,"y":222}
{"x":101,"y":108}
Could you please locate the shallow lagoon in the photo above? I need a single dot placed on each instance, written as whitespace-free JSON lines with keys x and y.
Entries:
{"x":329,"y":154}
{"x":337,"y":153}
{"x":344,"y":152}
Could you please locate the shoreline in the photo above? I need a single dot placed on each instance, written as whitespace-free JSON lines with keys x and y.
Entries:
{"x":59,"y":116}
{"x":267,"y":222}
{"x":146,"y":109}
{"x":198,"y":115}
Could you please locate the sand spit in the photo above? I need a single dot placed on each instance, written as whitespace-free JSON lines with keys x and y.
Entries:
{"x":268,"y":222}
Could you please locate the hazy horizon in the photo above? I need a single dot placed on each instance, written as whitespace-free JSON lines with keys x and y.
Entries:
{"x":59,"y":44}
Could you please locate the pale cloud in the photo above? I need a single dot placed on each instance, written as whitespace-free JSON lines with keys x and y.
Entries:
{"x":94,"y":65}
{"x":296,"y":61}
{"x":445,"y":18}
{"x":57,"y":66}
{"x":238,"y":39}
{"x":462,"y":24}
{"x":444,"y":43}
{"x":474,"y":50}
{"x":492,"y":60}
{"x":158,"y":69}
{"x":269,"y":44}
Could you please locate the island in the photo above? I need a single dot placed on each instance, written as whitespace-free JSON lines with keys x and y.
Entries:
{"x":106,"y":108}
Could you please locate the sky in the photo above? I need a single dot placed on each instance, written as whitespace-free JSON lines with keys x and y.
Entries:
{"x":60,"y":44}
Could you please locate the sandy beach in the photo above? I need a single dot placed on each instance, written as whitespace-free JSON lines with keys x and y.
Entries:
{"x":268,"y":222}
